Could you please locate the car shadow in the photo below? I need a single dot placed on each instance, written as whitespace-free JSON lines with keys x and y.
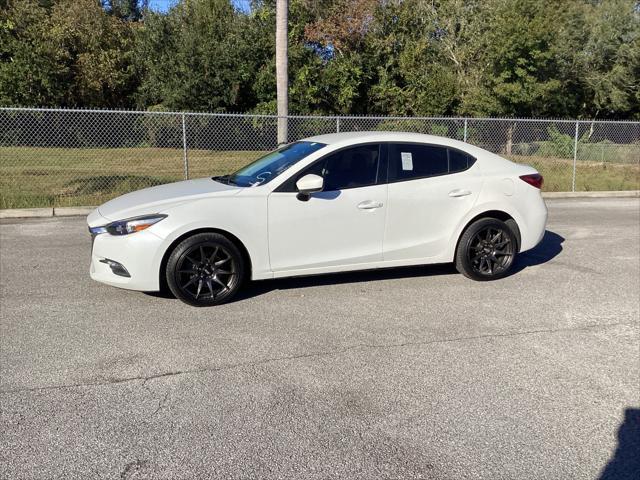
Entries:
{"x":254,"y":289}
{"x":625,"y":463}
{"x":548,"y":248}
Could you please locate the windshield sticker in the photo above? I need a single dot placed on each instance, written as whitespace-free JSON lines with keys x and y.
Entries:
{"x":407,"y":160}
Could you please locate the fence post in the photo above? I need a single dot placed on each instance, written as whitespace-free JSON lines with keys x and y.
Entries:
{"x":337,"y":124}
{"x":185,"y":158}
{"x":575,"y":157}
{"x":465,"y":131}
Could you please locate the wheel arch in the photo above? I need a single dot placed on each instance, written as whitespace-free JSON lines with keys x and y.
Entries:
{"x":234,"y":239}
{"x":497,"y":214}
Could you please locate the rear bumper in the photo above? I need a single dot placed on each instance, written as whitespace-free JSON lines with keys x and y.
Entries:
{"x":535,"y":223}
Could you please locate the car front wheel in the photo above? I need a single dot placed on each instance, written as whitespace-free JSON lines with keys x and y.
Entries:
{"x":205,"y":269}
{"x":486,"y":250}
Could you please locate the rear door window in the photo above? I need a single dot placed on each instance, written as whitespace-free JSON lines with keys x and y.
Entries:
{"x":408,"y":161}
{"x":459,"y":161}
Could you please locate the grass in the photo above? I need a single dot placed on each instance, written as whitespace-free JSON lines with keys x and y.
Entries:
{"x":590,"y":176}
{"x":44,"y":177}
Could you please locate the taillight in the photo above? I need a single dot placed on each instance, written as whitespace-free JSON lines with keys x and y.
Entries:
{"x":534,"y":179}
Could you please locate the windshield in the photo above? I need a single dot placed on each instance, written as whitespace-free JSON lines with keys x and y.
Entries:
{"x":271,"y":165}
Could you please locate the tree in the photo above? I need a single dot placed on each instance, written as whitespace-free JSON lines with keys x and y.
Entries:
{"x":33,"y":71}
{"x":336,"y":77}
{"x":568,"y":58}
{"x":195,"y":57}
{"x":70,"y":53}
{"x":98,"y":50}
{"x":427,"y":56}
{"x":609,"y":59}
{"x":131,"y":10}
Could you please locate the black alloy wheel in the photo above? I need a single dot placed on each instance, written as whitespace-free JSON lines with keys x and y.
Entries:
{"x":486,"y":250}
{"x":205,"y":269}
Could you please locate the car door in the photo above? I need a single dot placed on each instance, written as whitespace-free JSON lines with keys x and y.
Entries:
{"x":341,"y":226}
{"x":431,"y":187}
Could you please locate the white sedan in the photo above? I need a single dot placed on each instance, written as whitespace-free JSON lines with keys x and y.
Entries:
{"x":330,"y":203}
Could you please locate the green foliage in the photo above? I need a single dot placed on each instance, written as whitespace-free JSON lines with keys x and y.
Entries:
{"x":523,"y":63}
{"x":191,"y":58}
{"x":559,"y":144}
{"x":125,"y":9}
{"x":69,"y":53}
{"x":441,"y":130}
{"x":567,"y":58}
{"x":610,"y":58}
{"x":32,"y":70}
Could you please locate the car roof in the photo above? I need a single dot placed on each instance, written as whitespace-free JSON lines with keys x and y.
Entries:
{"x":384,"y":136}
{"x":344,"y":139}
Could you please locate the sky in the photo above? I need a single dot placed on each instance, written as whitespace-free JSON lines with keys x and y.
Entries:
{"x":163,"y":5}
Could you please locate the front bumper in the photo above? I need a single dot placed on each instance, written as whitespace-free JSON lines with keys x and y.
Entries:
{"x":138,"y":253}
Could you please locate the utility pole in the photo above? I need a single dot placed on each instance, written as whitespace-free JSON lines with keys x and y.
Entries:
{"x":282,"y":68}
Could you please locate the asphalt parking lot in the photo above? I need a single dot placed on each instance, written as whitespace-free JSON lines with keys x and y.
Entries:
{"x":411,"y":373}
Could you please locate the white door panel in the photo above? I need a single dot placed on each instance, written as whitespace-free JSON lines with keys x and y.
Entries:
{"x":332,"y":228}
{"x":423,"y":213}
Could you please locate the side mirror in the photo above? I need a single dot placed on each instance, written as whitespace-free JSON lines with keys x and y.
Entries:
{"x":309,"y":184}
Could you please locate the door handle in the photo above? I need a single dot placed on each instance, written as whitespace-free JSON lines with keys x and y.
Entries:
{"x":369,"y":205}
{"x":459,"y":193}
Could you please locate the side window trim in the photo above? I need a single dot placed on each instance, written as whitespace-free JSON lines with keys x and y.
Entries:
{"x":288,"y":186}
{"x":470,"y":162}
{"x":383,"y":164}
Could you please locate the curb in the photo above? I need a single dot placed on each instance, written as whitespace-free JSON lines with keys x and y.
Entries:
{"x":80,"y":211}
{"x":610,"y":194}
{"x":45,"y":212}
{"x":26,"y":213}
{"x":70,"y":211}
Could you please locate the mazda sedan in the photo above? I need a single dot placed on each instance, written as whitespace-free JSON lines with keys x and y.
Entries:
{"x":331,"y":203}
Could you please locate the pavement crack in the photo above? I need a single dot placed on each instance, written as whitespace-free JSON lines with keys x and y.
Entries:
{"x":504,"y":335}
{"x":145,"y":379}
{"x":161,"y":404}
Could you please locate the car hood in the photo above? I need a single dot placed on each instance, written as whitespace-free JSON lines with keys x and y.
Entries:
{"x":162,"y":197}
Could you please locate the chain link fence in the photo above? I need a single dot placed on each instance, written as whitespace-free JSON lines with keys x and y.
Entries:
{"x":57,"y":157}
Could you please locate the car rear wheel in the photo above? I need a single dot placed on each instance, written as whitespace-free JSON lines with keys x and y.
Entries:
{"x":486,"y":250}
{"x":205,"y":269}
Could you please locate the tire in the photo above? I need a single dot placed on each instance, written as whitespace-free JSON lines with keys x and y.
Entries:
{"x":486,"y":250}
{"x":205,"y":269}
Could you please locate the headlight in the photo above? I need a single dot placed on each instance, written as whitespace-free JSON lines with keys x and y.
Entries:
{"x":130,"y":225}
